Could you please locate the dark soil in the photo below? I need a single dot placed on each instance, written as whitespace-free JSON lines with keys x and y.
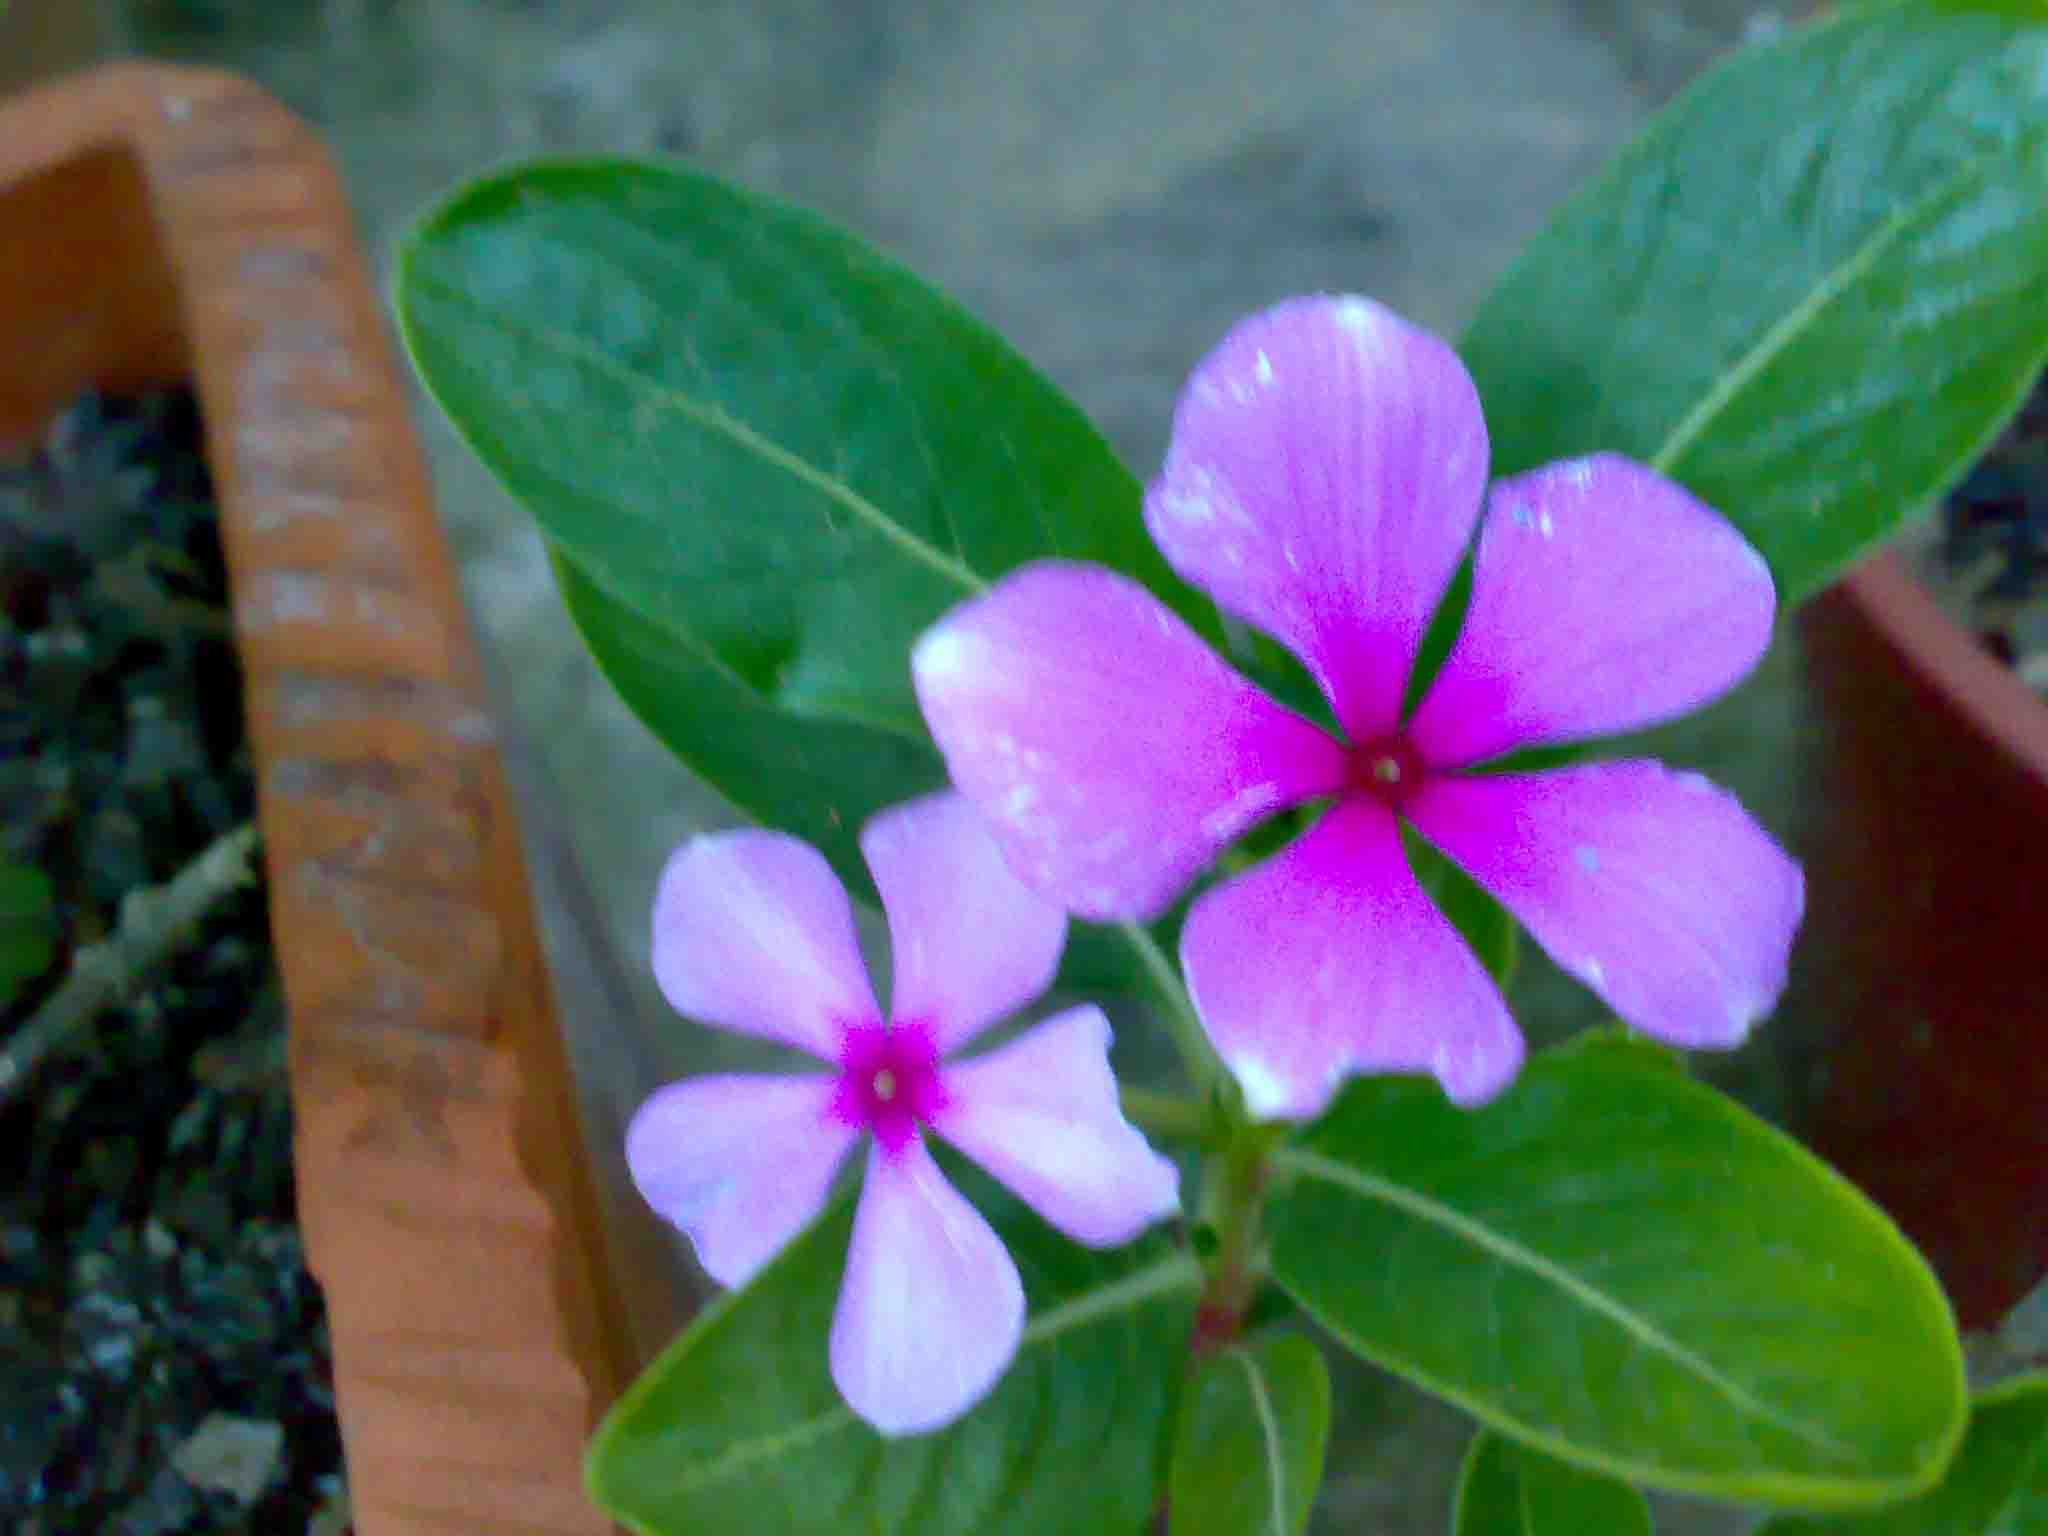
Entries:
{"x":1986,"y":556}
{"x":163,"y":1352}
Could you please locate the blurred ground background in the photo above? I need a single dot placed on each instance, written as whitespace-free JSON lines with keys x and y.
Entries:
{"x":1111,"y":182}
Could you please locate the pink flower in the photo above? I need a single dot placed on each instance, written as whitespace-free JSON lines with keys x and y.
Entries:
{"x":1327,"y":469}
{"x":754,"y":933}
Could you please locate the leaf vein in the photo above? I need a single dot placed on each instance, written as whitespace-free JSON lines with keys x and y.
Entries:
{"x":1173,"y":1271}
{"x":716,"y":420}
{"x":1796,"y":321}
{"x":1269,"y":1433}
{"x":1507,"y":1250}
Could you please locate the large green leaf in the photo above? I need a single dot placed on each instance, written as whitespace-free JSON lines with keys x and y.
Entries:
{"x":28,"y":926}
{"x":1511,"y":1490}
{"x":737,"y":1427}
{"x":1997,"y":1487}
{"x":817,"y":779}
{"x":1248,"y":1455}
{"x":1811,"y":291}
{"x":1622,"y":1267}
{"x":749,"y":427}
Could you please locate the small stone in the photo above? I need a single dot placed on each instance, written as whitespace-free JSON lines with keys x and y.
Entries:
{"x":231,"y":1455}
{"x":103,"y":1330}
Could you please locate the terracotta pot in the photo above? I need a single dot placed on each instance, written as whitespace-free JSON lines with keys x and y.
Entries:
{"x":159,"y":224}
{"x":1928,"y":898}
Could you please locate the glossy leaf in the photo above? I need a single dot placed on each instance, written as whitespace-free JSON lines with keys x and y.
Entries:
{"x":749,"y":427}
{"x":818,"y":780}
{"x":28,"y":927}
{"x":1811,"y":291}
{"x":1997,"y":1487}
{"x":737,"y":1427}
{"x":1507,"y":1489}
{"x":1622,"y":1267}
{"x":1248,"y":1455}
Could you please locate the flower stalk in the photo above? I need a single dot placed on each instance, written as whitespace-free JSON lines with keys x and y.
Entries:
{"x":1235,"y":1202}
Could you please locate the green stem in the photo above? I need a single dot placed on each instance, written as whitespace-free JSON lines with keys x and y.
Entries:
{"x":1234,"y":1205}
{"x":1167,"y":1116}
{"x":1204,"y":1069}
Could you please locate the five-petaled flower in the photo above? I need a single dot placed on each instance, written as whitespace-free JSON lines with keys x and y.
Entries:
{"x":1328,"y":465}
{"x":754,"y":933}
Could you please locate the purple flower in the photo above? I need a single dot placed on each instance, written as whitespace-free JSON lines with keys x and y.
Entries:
{"x":753,"y":933}
{"x":1327,"y":468}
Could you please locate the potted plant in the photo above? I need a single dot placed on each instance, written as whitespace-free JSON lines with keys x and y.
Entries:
{"x":159,"y":224}
{"x":834,"y":542}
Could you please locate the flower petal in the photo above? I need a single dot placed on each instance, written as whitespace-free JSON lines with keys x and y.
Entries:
{"x":1109,"y":750}
{"x":1327,"y":465}
{"x":1654,"y":888}
{"x":1041,"y":1114}
{"x":753,"y":932}
{"x":1604,"y":598}
{"x":739,"y":1163}
{"x":970,"y":943}
{"x":1329,"y":959}
{"x":932,"y":1308}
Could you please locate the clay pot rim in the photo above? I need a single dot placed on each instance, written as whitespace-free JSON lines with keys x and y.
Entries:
{"x":1987,"y":694}
{"x":160,"y":223}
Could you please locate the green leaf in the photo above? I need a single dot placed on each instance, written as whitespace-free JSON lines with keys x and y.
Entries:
{"x":737,"y":1427}
{"x":1248,"y":1455}
{"x":1812,"y":291}
{"x":1620,"y":1266}
{"x":818,"y":780}
{"x":751,"y":429}
{"x":1997,"y":1487}
{"x":1510,"y":1490}
{"x":1485,"y":923}
{"x":28,"y":927}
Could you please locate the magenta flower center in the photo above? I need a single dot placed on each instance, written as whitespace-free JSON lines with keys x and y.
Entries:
{"x":1388,"y":769}
{"x":889,"y":1081}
